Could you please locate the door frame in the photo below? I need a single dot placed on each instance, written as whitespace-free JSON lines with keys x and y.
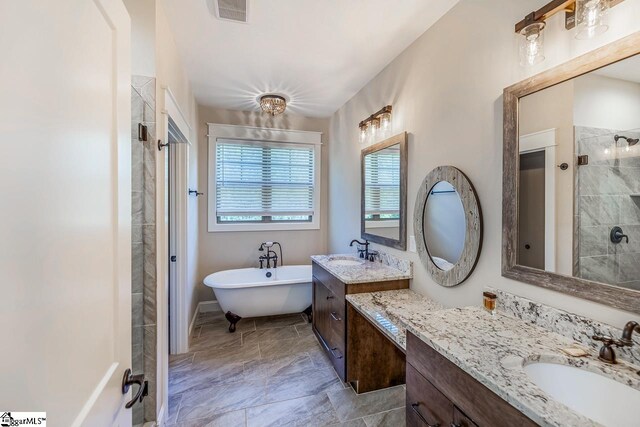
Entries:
{"x":178,"y":310}
{"x":546,"y":141}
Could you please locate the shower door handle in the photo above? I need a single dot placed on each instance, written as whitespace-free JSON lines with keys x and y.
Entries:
{"x":143,"y":387}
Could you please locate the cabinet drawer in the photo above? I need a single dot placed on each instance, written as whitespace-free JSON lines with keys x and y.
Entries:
{"x":334,"y":285}
{"x":483,"y":406}
{"x":426,"y":406}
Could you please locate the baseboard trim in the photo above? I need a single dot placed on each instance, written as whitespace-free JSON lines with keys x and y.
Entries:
{"x":208,"y":306}
{"x":203,"y":307}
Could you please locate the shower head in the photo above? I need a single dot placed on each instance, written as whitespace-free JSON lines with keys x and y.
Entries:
{"x":630,"y":141}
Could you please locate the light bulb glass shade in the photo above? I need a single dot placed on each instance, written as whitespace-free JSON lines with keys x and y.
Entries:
{"x":532,"y":44}
{"x":363,"y":134}
{"x":273,"y":104}
{"x":373,"y":127}
{"x":385,"y":122}
{"x":591,"y":18}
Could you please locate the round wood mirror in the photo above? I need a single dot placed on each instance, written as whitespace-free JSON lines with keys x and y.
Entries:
{"x":447,"y":222}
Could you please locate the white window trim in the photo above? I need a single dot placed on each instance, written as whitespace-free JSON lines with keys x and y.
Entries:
{"x":218,"y":131}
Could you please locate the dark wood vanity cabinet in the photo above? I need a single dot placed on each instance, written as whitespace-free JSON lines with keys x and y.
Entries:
{"x":440,"y":393}
{"x":331,"y":321}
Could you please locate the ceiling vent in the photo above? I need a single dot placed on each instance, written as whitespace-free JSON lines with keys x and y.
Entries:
{"x":232,"y":10}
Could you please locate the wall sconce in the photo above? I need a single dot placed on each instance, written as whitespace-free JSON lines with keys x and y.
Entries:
{"x":379,"y":123}
{"x":587,"y":15}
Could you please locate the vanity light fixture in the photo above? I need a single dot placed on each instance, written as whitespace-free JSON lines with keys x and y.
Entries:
{"x":587,"y":15}
{"x":376,"y":124}
{"x":273,"y":104}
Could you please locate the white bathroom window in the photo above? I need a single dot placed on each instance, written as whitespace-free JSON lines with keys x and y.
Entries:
{"x":263,"y":179}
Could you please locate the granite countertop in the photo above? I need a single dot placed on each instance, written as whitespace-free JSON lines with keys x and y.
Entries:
{"x":391,"y":311}
{"x":491,"y":348}
{"x":368,"y":271}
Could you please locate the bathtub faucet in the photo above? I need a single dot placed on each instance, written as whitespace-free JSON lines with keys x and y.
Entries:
{"x":271,"y":254}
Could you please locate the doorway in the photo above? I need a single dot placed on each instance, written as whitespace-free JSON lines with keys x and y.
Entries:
{"x":531,"y":210}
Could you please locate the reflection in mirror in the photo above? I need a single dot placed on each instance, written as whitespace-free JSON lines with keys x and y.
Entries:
{"x":444,"y":225}
{"x":579,"y":198}
{"x":382,"y":192}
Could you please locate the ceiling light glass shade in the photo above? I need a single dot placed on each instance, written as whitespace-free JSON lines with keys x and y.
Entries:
{"x":273,"y":104}
{"x":532,"y":44}
{"x":591,"y":18}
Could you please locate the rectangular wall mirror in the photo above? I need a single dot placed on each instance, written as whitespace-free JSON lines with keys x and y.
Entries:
{"x":571,"y":193}
{"x":384,"y":192}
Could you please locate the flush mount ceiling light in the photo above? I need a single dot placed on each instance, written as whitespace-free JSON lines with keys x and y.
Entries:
{"x":587,"y":15}
{"x":379,"y":123}
{"x":273,"y":104}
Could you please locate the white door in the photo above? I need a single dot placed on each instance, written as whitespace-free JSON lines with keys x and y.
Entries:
{"x":65,"y":216}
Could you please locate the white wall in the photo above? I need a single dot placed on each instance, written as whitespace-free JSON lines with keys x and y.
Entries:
{"x":446,"y":91}
{"x":607,"y":103}
{"x":143,"y":41}
{"x":226,"y":250}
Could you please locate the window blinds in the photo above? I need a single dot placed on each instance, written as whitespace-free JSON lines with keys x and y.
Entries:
{"x":382,"y":182}
{"x":265,"y":179}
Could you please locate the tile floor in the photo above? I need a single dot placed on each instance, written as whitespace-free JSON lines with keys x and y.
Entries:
{"x":271,"y":372}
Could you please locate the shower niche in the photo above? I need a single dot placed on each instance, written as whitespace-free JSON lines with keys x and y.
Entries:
{"x":571,"y":194}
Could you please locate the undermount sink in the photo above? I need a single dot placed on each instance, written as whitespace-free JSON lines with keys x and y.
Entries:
{"x":595,"y":396}
{"x":344,"y":261}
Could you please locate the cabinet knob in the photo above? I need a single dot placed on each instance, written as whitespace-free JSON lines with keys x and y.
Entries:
{"x":334,"y":316}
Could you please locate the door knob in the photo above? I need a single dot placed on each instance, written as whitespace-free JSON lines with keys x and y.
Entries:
{"x":128,"y":380}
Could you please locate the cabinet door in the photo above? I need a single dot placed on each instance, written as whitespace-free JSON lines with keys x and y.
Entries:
{"x":426,"y":406}
{"x":461,"y":420}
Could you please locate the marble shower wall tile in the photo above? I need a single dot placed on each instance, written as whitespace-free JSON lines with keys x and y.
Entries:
{"x":573,"y":326}
{"x":599,"y":268}
{"x":143,"y":198}
{"x":603,"y":200}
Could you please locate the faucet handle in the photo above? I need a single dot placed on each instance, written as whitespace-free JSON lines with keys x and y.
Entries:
{"x":607,"y":354}
{"x":608,"y":341}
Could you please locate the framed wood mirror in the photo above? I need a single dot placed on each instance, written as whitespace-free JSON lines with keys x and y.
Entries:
{"x":571,"y":177}
{"x":383,"y":200}
{"x":447,"y":220}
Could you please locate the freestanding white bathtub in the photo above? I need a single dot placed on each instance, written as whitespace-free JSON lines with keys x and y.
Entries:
{"x":248,"y":292}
